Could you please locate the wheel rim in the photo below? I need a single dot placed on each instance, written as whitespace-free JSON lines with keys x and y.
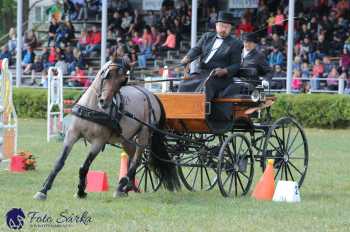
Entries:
{"x":236,"y":166}
{"x":197,"y":169}
{"x":286,"y":144}
{"x":146,"y":179}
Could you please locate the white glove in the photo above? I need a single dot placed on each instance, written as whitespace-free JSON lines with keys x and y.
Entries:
{"x":265,"y":83}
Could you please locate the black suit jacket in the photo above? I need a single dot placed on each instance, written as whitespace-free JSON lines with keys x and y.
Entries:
{"x":255,"y":60}
{"x":227,"y":56}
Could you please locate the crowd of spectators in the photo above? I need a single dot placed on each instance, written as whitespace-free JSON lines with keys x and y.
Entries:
{"x":321,"y":51}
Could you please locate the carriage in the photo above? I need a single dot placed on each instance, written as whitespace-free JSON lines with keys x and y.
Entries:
{"x":208,"y":154}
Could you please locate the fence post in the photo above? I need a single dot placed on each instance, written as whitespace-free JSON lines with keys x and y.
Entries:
{"x":54,"y":100}
{"x":340,"y":86}
{"x":8,"y":122}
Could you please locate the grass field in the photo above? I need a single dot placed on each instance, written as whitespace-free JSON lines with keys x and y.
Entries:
{"x":325,"y":194}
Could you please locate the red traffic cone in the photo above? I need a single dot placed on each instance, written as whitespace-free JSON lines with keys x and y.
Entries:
{"x":265,"y":188}
{"x":17,"y":163}
{"x":97,"y":181}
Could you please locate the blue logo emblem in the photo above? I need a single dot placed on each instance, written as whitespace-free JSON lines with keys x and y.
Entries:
{"x":15,"y":218}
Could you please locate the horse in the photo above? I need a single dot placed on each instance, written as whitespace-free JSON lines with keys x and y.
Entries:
{"x":97,"y":118}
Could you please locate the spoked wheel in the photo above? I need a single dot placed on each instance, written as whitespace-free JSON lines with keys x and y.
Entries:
{"x":236,"y":166}
{"x":197,"y":165}
{"x":146,"y":179}
{"x":286,"y":144}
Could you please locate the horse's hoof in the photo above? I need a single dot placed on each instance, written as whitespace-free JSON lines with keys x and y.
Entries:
{"x":40,"y":196}
{"x":119,"y":194}
{"x":80,"y":195}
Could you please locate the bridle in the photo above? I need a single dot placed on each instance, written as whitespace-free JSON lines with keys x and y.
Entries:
{"x":104,"y":74}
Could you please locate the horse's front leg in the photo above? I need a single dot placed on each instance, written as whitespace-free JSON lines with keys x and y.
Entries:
{"x":71,"y":137}
{"x":96,"y":147}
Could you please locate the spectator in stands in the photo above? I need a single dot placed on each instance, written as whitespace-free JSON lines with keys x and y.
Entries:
{"x":305,"y":70}
{"x":69,"y":10}
{"x":344,"y":61}
{"x":5,"y":53}
{"x":170,"y":42}
{"x":322,"y":45}
{"x":116,"y":22}
{"x":83,"y":9}
{"x":296,"y":81}
{"x":137,"y":22}
{"x":83,"y":40}
{"x":332,"y":79}
{"x":277,"y":42}
{"x":94,"y":7}
{"x":276,"y":57}
{"x":52,"y":31}
{"x":52,"y":56}
{"x":28,"y":59}
{"x":136,"y":39}
{"x":297,"y":63}
{"x":94,"y":41}
{"x":278,"y":73}
{"x":317,"y":73}
{"x":212,"y":18}
{"x":30,"y":39}
{"x":126,"y":22}
{"x":327,"y":66}
{"x":243,"y":27}
{"x":61,"y":64}
{"x":144,"y":54}
{"x":45,"y":57}
{"x":270,"y":23}
{"x":12,"y":41}
{"x":37,"y":68}
{"x":122,"y":6}
{"x":78,"y":78}
{"x":279,"y":22}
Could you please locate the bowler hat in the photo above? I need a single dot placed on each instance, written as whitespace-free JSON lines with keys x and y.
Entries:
{"x":250,"y":37}
{"x":225,"y":17}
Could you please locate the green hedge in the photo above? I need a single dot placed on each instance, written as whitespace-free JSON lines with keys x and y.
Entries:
{"x":311,"y":110}
{"x":32,"y":103}
{"x":315,"y":110}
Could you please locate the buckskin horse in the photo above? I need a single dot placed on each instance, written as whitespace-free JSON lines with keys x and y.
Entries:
{"x":97,"y":117}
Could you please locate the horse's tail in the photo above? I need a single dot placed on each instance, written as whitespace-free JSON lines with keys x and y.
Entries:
{"x":161,"y":160}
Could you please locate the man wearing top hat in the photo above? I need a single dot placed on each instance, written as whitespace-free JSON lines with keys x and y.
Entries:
{"x":218,"y":51}
{"x":253,"y":63}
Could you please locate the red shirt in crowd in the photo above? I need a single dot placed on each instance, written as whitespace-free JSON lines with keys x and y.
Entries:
{"x":95,"y":38}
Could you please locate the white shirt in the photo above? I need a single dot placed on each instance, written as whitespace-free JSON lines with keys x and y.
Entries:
{"x":245,"y":53}
{"x":215,"y":47}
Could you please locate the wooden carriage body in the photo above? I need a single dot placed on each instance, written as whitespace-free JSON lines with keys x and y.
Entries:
{"x":187,"y":112}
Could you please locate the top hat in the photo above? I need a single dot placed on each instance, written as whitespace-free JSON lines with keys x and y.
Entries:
{"x":225,"y":17}
{"x":250,"y":37}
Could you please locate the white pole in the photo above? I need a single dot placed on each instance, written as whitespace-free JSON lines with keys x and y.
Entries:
{"x":19,"y":42}
{"x":104,"y":32}
{"x":290,"y":45}
{"x":194,"y":28}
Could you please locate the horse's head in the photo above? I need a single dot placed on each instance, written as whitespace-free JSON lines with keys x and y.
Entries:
{"x":112,"y":77}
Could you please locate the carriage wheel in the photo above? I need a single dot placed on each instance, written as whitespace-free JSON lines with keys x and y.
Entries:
{"x":286,"y":144}
{"x":197,"y":166}
{"x":146,"y":179}
{"x":236,"y":166}
{"x":194,"y":173}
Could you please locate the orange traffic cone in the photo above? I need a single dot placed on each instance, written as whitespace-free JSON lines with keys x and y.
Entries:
{"x":265,"y":188}
{"x":123,"y":169}
{"x":97,"y":181}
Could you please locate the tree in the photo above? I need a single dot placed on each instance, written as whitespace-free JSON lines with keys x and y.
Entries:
{"x":7,"y":15}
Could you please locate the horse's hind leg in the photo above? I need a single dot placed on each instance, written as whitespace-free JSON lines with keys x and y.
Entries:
{"x":70,"y":139}
{"x":96,"y":147}
{"x":126,"y":183}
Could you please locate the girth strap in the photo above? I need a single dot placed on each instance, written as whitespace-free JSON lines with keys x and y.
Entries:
{"x":98,"y":117}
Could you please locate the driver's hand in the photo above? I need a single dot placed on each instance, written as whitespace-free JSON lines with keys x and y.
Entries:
{"x":221,"y":72}
{"x":185,"y":60}
{"x":265,"y":83}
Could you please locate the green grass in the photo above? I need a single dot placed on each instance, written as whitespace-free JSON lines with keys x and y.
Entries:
{"x":325,"y":193}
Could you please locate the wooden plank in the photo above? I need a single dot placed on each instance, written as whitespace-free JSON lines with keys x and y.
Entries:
{"x":183,"y":105}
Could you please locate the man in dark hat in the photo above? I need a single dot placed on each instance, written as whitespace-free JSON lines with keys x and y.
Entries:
{"x":219,"y":52}
{"x":254,"y":63}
